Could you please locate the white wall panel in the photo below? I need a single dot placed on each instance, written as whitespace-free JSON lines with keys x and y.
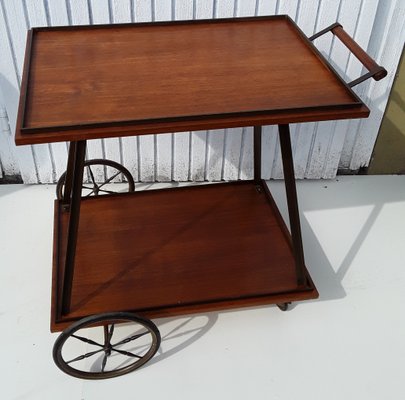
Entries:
{"x":181,"y":142}
{"x":319,"y":148}
{"x":11,"y":50}
{"x":246,"y":160}
{"x":8,"y":159}
{"x":124,"y":12}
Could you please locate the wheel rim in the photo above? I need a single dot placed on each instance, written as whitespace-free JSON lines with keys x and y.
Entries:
{"x":120,"y":343}
{"x":96,"y":184}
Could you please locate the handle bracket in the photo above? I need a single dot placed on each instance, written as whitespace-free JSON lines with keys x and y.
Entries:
{"x":375,"y":71}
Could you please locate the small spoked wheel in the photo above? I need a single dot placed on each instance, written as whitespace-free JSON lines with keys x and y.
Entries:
{"x":283,"y":306}
{"x":117,"y":344}
{"x":97,"y":186}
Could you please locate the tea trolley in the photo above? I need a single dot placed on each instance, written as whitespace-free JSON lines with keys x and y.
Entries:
{"x":128,"y":257}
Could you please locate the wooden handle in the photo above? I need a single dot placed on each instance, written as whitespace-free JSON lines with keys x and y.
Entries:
{"x":376,"y":71}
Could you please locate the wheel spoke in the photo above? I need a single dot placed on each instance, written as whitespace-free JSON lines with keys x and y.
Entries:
{"x":92,"y":175}
{"x":126,"y":353}
{"x":86,"y":187}
{"x":112,"y":352}
{"x":107,"y":191}
{"x":110,"y":179}
{"x":87,"y":340}
{"x":104,"y":362}
{"x":82,"y":357}
{"x":130,"y":339}
{"x":105,"y":328}
{"x":110,"y":333}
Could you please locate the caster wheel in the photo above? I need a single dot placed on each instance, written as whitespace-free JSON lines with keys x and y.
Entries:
{"x":283,"y":306}
{"x":95,"y":188}
{"x":112,"y":350}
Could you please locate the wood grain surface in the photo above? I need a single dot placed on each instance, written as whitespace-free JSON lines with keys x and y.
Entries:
{"x":147,"y":74}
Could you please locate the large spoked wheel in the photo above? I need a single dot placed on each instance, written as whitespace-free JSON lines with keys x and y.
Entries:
{"x":108,"y":349}
{"x":95,"y":187}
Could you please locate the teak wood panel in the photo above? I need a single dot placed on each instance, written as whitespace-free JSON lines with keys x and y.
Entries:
{"x":282,"y":117}
{"x":145,"y":74}
{"x":172,"y":248}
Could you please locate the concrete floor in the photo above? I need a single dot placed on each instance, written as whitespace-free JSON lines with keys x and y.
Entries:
{"x":348,"y":344}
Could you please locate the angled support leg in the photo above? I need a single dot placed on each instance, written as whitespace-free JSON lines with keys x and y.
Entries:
{"x":257,"y":153}
{"x":71,"y":202}
{"x":291,"y":192}
{"x":67,"y":193}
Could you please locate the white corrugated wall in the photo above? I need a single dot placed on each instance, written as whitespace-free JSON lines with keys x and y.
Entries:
{"x":319,"y":148}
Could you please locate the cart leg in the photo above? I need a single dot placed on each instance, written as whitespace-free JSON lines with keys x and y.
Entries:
{"x":72,"y":198}
{"x":291,"y":192}
{"x":257,"y":150}
{"x":69,"y":175}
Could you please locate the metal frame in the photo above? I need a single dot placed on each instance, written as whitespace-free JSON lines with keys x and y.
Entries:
{"x":257,"y":153}
{"x":72,"y":199}
{"x":71,"y":204}
{"x":292,"y":202}
{"x":291,"y":193}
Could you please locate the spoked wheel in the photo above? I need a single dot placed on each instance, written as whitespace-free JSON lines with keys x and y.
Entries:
{"x":283,"y":306}
{"x":108,"y":350}
{"x":94,"y":187}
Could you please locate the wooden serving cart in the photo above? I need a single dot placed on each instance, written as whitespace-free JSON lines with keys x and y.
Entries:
{"x":126,"y":257}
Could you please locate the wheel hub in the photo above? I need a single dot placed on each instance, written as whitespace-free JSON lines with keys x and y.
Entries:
{"x":108,"y":349}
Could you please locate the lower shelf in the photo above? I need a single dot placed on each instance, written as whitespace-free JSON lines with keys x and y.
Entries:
{"x":176,"y":251}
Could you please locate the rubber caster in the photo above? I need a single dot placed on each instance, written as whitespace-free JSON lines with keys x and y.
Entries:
{"x":283,"y":306}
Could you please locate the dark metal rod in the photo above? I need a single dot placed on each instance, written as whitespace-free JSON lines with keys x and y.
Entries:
{"x":323,"y":31}
{"x":362,"y":78}
{"x":257,"y":150}
{"x":77,"y":181}
{"x":69,"y":173}
{"x":292,"y":202}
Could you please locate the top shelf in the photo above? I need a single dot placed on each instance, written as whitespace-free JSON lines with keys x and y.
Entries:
{"x":87,"y":82}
